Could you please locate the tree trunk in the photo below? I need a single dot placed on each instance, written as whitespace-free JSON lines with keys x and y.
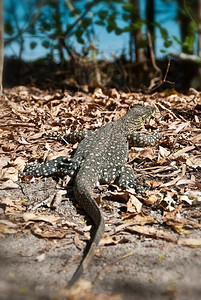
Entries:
{"x":199,"y":26}
{"x":136,"y":35}
{"x":199,"y":39}
{"x":136,"y":42}
{"x":186,"y":13}
{"x":150,"y":5}
{"x":1,"y":44}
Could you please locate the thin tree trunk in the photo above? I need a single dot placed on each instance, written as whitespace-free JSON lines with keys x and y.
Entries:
{"x":1,"y":44}
{"x":199,"y":26}
{"x":136,"y":42}
{"x":199,"y":38}
{"x":185,"y":17}
{"x":150,"y":7}
{"x":137,"y":35}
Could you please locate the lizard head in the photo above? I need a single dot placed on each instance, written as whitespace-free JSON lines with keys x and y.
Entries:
{"x":135,"y":118}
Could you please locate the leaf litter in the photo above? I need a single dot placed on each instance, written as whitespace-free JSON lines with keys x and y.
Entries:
{"x":169,"y":211}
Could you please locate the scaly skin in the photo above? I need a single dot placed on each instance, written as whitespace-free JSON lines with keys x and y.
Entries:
{"x":100,"y":157}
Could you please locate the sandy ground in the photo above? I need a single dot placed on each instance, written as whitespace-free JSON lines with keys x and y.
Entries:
{"x":140,"y":268}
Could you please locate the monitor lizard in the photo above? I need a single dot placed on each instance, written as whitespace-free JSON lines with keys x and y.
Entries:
{"x":100,"y":157}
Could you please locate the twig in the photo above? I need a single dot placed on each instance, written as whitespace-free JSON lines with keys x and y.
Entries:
{"x":18,"y":124}
{"x":162,"y":81}
{"x":77,"y":20}
{"x":185,"y":6}
{"x":170,"y":112}
{"x":153,"y":60}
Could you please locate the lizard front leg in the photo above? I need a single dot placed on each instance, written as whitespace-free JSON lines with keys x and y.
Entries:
{"x":72,"y":137}
{"x":139,"y":139}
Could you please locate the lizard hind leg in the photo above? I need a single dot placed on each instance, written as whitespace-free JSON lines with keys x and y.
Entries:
{"x":68,"y":166}
{"x":127,"y":179}
{"x":61,"y":165}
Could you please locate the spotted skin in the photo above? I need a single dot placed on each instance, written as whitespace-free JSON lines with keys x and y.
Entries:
{"x":60,"y":166}
{"x":101,"y":157}
{"x":72,"y":137}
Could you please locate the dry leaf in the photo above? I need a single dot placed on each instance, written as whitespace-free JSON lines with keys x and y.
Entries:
{"x":194,"y":162}
{"x":8,"y":223}
{"x":150,"y":231}
{"x":9,"y":173}
{"x":140,"y":219}
{"x":152,"y":197}
{"x":20,"y":163}
{"x":78,"y":243}
{"x":133,"y":204}
{"x":4,"y":160}
{"x":182,"y":151}
{"x":191,"y":197}
{"x":193,"y":243}
{"x":48,"y":232}
{"x":80,"y":290}
{"x":46,"y":218}
{"x":8,"y":184}
{"x":108,"y":240}
{"x":40,"y":257}
{"x":163,"y":151}
{"x":113,"y":93}
{"x":5,"y":229}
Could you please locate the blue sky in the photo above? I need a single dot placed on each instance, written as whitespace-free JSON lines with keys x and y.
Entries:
{"x":109,"y":44}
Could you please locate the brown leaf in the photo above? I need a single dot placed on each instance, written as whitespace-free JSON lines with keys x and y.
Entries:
{"x":108,"y":240}
{"x":152,"y":197}
{"x":4,"y":160}
{"x":174,"y":220}
{"x":163,"y":151}
{"x":48,"y":232}
{"x":9,"y":173}
{"x":29,"y":216}
{"x":78,"y":243}
{"x":5,"y":229}
{"x":190,"y":242}
{"x":150,"y":231}
{"x":194,"y":162}
{"x":182,"y":151}
{"x":113,"y":93}
{"x":8,"y":184}
{"x":80,"y":290}
{"x":140,"y":219}
{"x":20,"y":163}
{"x":133,"y":204}
{"x":22,"y":141}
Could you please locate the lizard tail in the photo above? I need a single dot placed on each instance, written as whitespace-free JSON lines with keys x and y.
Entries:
{"x":92,"y":209}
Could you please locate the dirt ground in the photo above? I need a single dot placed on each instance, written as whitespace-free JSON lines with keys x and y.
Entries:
{"x":138,"y":268}
{"x":149,"y":251}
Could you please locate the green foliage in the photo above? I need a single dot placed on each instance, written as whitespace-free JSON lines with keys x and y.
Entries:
{"x":190,"y":38}
{"x":79,"y":34}
{"x":8,"y":28}
{"x":46,"y":44}
{"x":55,"y":20}
{"x":75,"y":12}
{"x":103,"y":14}
{"x":100,"y":23}
{"x":137,"y":25}
{"x":177,"y":40}
{"x":127,"y":6}
{"x":165,"y":35}
{"x":33,"y":45}
{"x":126,"y":17}
{"x":86,"y":22}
